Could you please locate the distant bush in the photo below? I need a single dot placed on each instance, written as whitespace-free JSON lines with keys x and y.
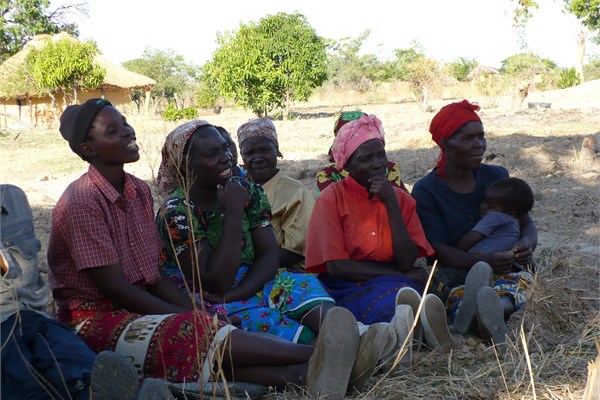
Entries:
{"x":460,"y":67}
{"x":206,"y":96}
{"x":591,"y":70}
{"x":173,"y":114}
{"x":567,"y":78}
{"x":529,"y":66}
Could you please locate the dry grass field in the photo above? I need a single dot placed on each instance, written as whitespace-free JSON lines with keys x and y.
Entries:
{"x":552,"y":336}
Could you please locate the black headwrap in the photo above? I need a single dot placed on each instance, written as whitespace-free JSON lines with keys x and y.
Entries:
{"x":76,"y":121}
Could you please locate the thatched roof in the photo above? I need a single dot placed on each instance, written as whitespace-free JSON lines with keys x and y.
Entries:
{"x":480,"y":70}
{"x":14,"y":82}
{"x":121,"y":78}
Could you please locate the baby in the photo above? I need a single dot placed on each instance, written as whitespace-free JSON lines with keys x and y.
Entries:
{"x":506,"y":201}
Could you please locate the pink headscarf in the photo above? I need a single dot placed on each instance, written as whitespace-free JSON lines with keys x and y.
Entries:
{"x":169,"y":177}
{"x":446,"y":122}
{"x":352,"y":135}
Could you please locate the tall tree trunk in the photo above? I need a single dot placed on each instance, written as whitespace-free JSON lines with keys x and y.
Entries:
{"x":580,"y":37}
{"x":147,"y":101}
{"x":178,"y":102}
{"x":157,"y":102}
{"x":287,"y":103}
{"x":424,"y":98}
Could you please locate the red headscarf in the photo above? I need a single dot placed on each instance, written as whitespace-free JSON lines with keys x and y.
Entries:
{"x":446,"y":122}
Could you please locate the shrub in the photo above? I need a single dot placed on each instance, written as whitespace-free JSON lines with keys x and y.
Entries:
{"x":173,"y":114}
{"x":568,"y":77}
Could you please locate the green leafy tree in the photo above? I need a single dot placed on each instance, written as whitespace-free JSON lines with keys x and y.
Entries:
{"x":348,"y":67}
{"x":21,"y":20}
{"x":526,"y":64}
{"x":206,"y":95}
{"x":405,"y":57}
{"x":65,"y":66}
{"x":586,"y":12}
{"x":530,"y":67}
{"x":568,"y":77}
{"x":266,"y":65}
{"x":175,"y":78}
{"x":461,"y":67}
{"x":592,"y":69}
{"x":422,"y":73}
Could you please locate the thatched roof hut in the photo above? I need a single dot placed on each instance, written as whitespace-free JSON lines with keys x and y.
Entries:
{"x":18,"y":91}
{"x":481,"y":70}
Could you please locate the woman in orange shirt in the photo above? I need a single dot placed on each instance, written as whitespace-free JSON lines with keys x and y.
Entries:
{"x":364,"y":235}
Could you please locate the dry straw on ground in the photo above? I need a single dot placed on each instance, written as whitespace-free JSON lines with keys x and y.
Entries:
{"x":552,"y":337}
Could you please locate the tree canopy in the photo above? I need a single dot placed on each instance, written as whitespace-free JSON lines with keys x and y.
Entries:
{"x":268,"y":64}
{"x":173,"y":75}
{"x":23,"y":19}
{"x":461,"y":67}
{"x":65,"y":66}
{"x":587,"y":13}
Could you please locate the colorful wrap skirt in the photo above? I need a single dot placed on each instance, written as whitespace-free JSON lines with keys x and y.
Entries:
{"x":175,"y":347}
{"x":370,"y":301}
{"x":279,"y":306}
{"x":514,"y":284}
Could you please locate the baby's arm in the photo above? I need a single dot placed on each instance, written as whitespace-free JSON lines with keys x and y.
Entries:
{"x":480,"y":231}
{"x":469,"y":240}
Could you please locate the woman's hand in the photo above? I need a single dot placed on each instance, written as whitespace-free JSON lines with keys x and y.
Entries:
{"x":523,"y":252}
{"x":233,"y":195}
{"x":214,"y":298}
{"x":382,"y":188}
{"x":501,"y":261}
{"x":229,"y":319}
{"x":418,"y":274}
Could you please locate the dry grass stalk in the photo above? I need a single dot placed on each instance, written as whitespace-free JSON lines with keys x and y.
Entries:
{"x":592,"y":388}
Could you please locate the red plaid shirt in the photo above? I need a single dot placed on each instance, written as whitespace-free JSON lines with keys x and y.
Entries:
{"x":93,"y":226}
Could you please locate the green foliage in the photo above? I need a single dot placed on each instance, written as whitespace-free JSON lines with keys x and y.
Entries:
{"x":412,"y":65}
{"x":588,"y":11}
{"x":65,"y":65}
{"x":21,"y":20}
{"x":567,"y":78}
{"x":267,"y":65}
{"x":592,"y":69}
{"x":526,"y":65}
{"x":529,"y":66}
{"x":347,"y":67}
{"x":522,"y":12}
{"x":423,"y":72}
{"x":460,"y":67}
{"x":17,"y":81}
{"x":405,"y":57}
{"x":173,"y":75}
{"x":206,"y":96}
{"x":173,"y":114}
{"x":489,"y":85}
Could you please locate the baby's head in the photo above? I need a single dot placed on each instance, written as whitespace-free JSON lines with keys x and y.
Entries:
{"x":511,"y":196}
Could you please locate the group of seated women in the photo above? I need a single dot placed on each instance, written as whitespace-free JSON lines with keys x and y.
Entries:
{"x":243,"y":275}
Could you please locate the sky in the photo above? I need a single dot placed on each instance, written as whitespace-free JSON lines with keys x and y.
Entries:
{"x":446,"y":29}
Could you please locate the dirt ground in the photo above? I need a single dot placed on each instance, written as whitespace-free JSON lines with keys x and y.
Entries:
{"x":542,"y":146}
